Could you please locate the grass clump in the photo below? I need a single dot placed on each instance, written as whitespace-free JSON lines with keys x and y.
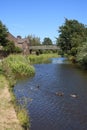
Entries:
{"x":24,"y":119}
{"x":17,"y":65}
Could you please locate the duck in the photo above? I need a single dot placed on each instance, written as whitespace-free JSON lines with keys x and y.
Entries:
{"x":59,"y":93}
{"x":74,"y":95}
{"x":38,"y":86}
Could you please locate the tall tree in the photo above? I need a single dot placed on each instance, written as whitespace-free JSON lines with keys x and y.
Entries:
{"x":47,"y":41}
{"x":34,"y":41}
{"x":71,"y":35}
{"x":3,"y":34}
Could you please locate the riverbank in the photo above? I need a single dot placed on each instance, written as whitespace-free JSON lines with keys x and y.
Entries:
{"x":8,"y":117}
{"x":12,"y":116}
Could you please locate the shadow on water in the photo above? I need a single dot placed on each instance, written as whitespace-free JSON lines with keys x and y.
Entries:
{"x":56,"y":97}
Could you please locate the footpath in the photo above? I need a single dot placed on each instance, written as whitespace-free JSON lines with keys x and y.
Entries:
{"x":8,"y":118}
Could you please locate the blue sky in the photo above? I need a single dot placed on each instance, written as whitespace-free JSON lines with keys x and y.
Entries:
{"x":40,"y":18}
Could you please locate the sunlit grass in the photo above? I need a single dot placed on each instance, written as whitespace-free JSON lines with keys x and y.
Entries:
{"x":3,"y":81}
{"x":34,"y":59}
{"x":17,"y":65}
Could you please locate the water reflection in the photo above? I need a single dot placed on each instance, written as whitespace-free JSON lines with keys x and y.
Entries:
{"x":59,"y":60}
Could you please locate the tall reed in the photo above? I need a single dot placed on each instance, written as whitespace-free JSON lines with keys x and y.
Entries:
{"x":34,"y":59}
{"x":17,"y":65}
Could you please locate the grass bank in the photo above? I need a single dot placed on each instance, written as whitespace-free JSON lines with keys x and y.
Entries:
{"x":11,"y":68}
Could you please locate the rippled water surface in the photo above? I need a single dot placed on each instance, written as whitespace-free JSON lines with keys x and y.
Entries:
{"x":49,"y":111}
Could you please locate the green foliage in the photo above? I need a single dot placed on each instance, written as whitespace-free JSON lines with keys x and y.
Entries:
{"x":47,"y":41}
{"x":11,"y":48}
{"x":73,"y":51}
{"x":41,"y":58}
{"x":21,"y":112}
{"x":34,"y":41}
{"x":8,"y":46}
{"x":18,"y":50}
{"x":3,"y":34}
{"x":82,"y":55}
{"x":3,"y":81}
{"x":23,"y":118}
{"x":17,"y":65}
{"x":72,"y":35}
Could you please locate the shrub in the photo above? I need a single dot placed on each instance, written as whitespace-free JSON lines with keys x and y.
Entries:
{"x":82,"y":55}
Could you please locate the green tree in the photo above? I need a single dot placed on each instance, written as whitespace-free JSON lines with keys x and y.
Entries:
{"x":3,"y":34}
{"x":11,"y":48}
{"x":34,"y":41}
{"x":7,"y":45}
{"x":82,"y":55}
{"x":71,"y":35}
{"x":47,"y":41}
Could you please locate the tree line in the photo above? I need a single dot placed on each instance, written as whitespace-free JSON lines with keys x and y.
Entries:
{"x":72,"y":41}
{"x":9,"y":46}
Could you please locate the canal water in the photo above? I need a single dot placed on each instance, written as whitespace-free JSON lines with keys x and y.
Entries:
{"x":56,"y":97}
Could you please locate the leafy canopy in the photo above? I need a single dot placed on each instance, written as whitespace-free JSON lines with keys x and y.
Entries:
{"x":7,"y":45}
{"x":47,"y":41}
{"x":3,"y":34}
{"x":71,"y":35}
{"x":34,"y":41}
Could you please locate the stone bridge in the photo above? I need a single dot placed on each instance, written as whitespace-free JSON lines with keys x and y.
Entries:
{"x":43,"y":47}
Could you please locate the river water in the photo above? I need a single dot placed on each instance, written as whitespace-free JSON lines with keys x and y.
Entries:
{"x":49,"y":110}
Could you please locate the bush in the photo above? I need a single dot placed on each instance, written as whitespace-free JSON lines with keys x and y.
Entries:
{"x":82,"y":56}
{"x":11,"y":48}
{"x":73,"y":51}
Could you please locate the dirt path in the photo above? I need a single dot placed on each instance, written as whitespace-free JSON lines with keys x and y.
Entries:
{"x":8,"y":118}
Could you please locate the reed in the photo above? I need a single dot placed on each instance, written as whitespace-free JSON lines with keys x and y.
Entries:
{"x":17,"y":65}
{"x":43,"y":58}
